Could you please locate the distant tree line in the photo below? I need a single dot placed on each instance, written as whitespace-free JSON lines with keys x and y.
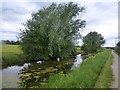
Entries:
{"x":11,"y":42}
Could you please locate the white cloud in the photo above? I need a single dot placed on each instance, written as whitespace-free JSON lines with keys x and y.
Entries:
{"x":9,"y":36}
{"x":11,"y":27}
{"x":14,"y":14}
{"x":106,"y":28}
{"x":101,"y":16}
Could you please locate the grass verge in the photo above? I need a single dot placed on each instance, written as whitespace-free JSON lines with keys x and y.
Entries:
{"x":83,"y":77}
{"x":11,"y":55}
{"x":105,"y":78}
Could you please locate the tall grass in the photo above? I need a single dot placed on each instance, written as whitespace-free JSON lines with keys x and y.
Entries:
{"x":11,"y":55}
{"x":83,"y":77}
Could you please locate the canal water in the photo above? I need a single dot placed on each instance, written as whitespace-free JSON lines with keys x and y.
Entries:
{"x":31,"y":73}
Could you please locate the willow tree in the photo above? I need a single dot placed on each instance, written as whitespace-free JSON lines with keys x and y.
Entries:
{"x":92,"y":42}
{"x":52,"y":31}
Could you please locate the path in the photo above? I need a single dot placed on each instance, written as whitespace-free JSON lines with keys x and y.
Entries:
{"x":114,"y":66}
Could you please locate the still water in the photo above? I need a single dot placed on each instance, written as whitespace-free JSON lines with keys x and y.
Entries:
{"x":31,"y":73}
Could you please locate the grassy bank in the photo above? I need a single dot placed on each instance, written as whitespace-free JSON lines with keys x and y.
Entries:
{"x":11,"y":55}
{"x":83,"y":77}
{"x":105,"y":78}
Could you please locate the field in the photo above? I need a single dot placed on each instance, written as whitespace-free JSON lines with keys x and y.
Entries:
{"x":11,"y":55}
{"x":84,"y":77}
{"x":11,"y":49}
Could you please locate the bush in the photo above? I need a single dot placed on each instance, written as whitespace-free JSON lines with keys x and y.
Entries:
{"x":117,"y":49}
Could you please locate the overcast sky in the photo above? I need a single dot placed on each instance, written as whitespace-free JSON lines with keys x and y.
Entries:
{"x":100,"y":16}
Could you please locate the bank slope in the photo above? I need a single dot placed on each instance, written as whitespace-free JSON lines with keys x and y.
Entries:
{"x":83,"y":77}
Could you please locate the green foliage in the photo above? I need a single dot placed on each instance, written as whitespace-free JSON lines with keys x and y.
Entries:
{"x":92,"y":42}
{"x":78,"y":50}
{"x":51,"y":31}
{"x":117,"y":48}
{"x":83,"y":77}
{"x":118,"y":44}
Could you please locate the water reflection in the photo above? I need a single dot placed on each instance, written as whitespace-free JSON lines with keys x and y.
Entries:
{"x":31,"y":73}
{"x":10,"y":76}
{"x":78,"y":60}
{"x":37,"y":74}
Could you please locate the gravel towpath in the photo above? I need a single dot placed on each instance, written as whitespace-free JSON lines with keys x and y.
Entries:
{"x":115,"y":70}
